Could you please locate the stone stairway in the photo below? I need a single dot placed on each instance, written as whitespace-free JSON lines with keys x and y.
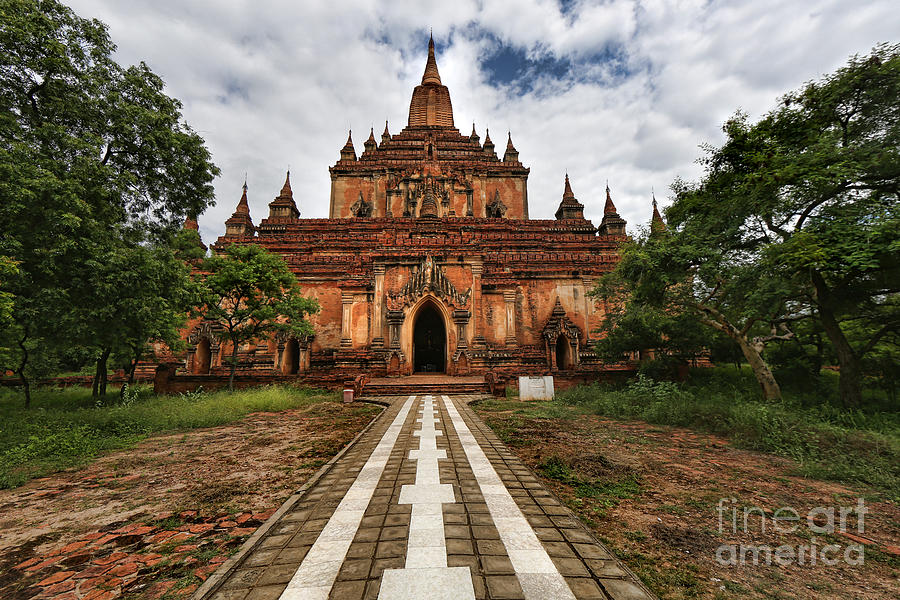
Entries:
{"x":425,"y":384}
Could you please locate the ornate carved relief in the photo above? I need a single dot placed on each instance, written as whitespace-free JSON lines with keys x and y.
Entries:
{"x":361,"y":208}
{"x":208,"y":330}
{"x":427,"y":277}
{"x":496,"y":209}
{"x":559,"y":325}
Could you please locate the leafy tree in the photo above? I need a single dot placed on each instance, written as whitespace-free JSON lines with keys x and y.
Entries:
{"x":250,"y":293}
{"x":88,"y":150}
{"x":811,"y":190}
{"x":142,"y":293}
{"x":672,"y":284}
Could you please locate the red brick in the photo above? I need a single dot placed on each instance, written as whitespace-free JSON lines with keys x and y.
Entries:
{"x":99,"y":595}
{"x":62,"y":586}
{"x":157,"y":590}
{"x":74,"y":546}
{"x":204,"y":572}
{"x":56,"y":578}
{"x":112,"y":558}
{"x":27,"y":563}
{"x":201,"y":527}
{"x":124,"y":570}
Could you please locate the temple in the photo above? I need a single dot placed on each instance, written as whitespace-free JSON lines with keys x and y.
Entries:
{"x":429,"y":262}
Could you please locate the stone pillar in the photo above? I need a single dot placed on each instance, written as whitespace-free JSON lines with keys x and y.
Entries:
{"x":346,"y":332}
{"x":378,"y":307}
{"x":395,"y":319}
{"x":461,"y":318}
{"x":509,"y":297}
{"x":477,"y":335}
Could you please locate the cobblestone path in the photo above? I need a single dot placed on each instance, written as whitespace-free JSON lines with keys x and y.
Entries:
{"x":426,"y":504}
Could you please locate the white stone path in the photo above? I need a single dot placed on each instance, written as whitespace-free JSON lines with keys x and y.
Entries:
{"x":426,"y":574}
{"x":315,"y":577}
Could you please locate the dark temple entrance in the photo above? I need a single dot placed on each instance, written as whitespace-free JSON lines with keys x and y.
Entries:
{"x":429,"y":342}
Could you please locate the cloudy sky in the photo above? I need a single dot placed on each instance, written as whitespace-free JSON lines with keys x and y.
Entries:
{"x":616,"y":90}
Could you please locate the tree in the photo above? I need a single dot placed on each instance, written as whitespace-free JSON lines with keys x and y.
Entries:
{"x":88,"y":149}
{"x":667,"y":283}
{"x":250,"y":292}
{"x":811,"y":190}
{"x":142,"y":293}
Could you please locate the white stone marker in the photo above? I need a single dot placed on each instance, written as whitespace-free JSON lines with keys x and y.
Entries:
{"x":426,"y":575}
{"x":536,"y":388}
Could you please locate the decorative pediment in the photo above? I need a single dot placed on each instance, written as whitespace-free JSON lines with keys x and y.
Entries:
{"x":559,"y":324}
{"x":361,"y":208}
{"x":205,"y":330}
{"x":496,"y":209}
{"x":428,"y":277}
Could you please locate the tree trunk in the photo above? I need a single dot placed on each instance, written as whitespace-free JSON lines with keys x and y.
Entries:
{"x":234,"y":353}
{"x":132,"y":367}
{"x":26,"y":385}
{"x":850,"y":381}
{"x":770,"y":387}
{"x":100,"y":375}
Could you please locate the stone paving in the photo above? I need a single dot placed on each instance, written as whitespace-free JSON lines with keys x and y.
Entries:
{"x":427,"y":503}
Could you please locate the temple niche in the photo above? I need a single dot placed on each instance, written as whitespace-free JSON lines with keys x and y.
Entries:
{"x":429,"y":261}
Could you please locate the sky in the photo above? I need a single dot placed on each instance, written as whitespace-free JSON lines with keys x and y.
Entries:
{"x":617,"y":91}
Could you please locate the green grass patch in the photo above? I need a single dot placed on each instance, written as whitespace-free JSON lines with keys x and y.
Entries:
{"x":828,"y":442}
{"x":66,"y":428}
{"x":609,"y":492}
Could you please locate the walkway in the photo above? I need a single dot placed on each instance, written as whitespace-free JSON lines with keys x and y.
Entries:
{"x":426,"y":504}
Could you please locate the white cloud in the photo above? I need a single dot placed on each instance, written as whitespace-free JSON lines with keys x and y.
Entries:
{"x":272,"y":84}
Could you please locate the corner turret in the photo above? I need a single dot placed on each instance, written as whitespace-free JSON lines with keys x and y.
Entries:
{"x":283,"y":206}
{"x":240,"y":224}
{"x":569,"y":207}
{"x":612,"y":223}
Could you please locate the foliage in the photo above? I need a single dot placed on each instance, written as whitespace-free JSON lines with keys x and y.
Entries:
{"x":249,"y":292}
{"x":671,"y":287}
{"x":69,"y":428}
{"x":94,"y":159}
{"x":809,"y":194}
{"x":827,"y":440}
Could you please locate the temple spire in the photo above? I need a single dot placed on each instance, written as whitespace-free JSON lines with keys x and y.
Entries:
{"x":385,"y":135}
{"x":609,"y":208}
{"x":511,"y":155}
{"x":569,"y":207}
{"x":370,"y":144}
{"x":286,"y":191}
{"x":240,"y":223}
{"x":431,"y":75}
{"x":657,"y":225}
{"x":348,"y":152}
{"x":283,"y":206}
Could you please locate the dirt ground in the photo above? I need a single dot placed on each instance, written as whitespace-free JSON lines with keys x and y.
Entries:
{"x":652,"y":494}
{"x":154,"y":521}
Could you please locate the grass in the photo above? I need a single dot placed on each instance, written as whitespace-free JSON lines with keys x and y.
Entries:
{"x":828,"y":442}
{"x":66,"y":428}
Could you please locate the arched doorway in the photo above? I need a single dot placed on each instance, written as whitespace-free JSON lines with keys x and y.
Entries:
{"x":202,"y":357}
{"x":429,"y":341}
{"x":290,"y":360}
{"x":562,"y":353}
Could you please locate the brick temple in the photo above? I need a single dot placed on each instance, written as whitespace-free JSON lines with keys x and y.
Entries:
{"x":428,"y":262}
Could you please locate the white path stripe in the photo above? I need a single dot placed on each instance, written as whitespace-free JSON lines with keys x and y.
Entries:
{"x":315,"y":577}
{"x":538,"y":576}
{"x":426,"y":574}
